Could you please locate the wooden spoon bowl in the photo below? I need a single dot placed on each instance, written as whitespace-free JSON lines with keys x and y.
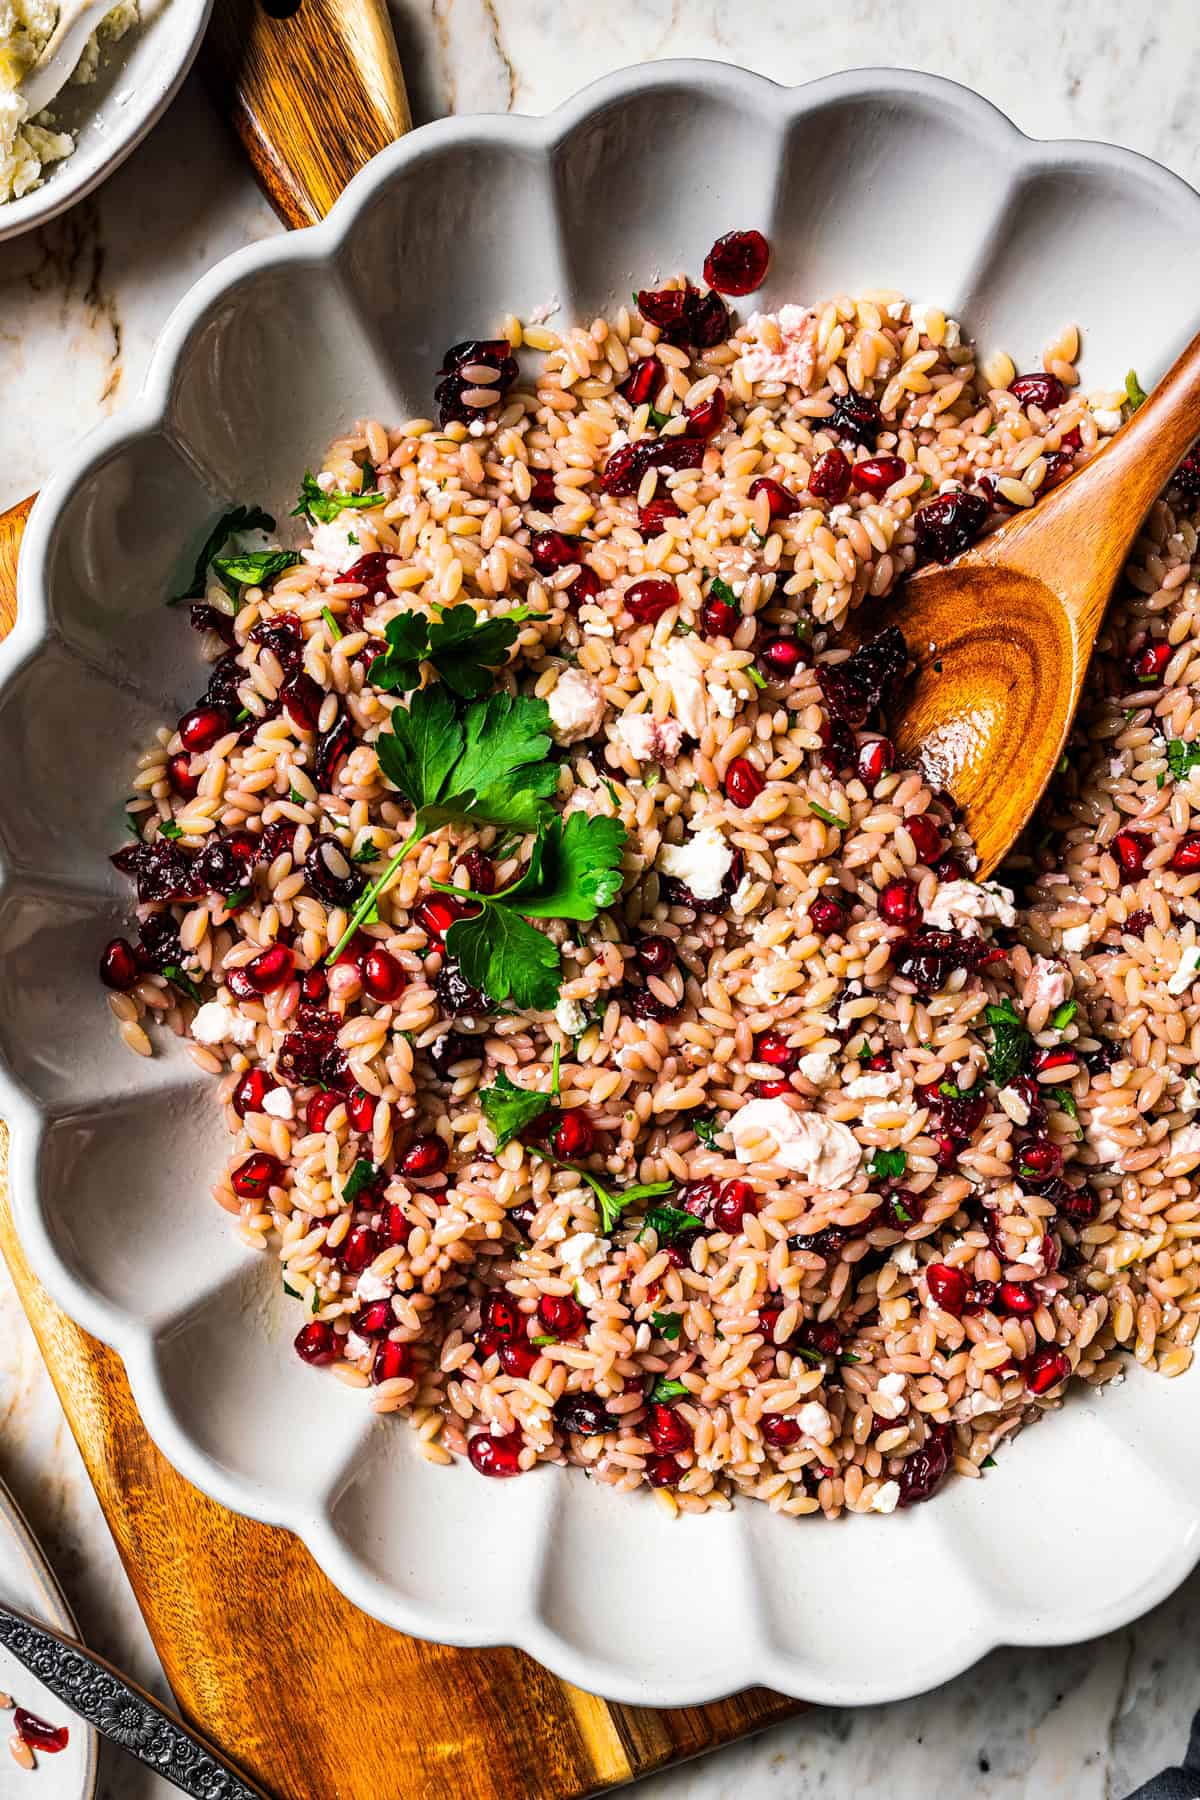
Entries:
{"x":1002,"y":637}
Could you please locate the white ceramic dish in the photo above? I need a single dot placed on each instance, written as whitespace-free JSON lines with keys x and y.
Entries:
{"x":138,"y":78}
{"x":27,"y":1583}
{"x":868,"y":178}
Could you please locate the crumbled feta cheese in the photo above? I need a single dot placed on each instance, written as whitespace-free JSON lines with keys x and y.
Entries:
{"x":1077,"y":937}
{"x":279,"y":1104}
{"x":771,"y":980}
{"x":824,"y":1150}
{"x":1185,"y":974}
{"x":583,"y":1251}
{"x":892,"y":1385}
{"x":905,"y":1258}
{"x":332,"y":547}
{"x":683,"y":671}
{"x":356,"y":1347}
{"x":326,"y":480}
{"x":576,"y":706}
{"x":1107,"y":418}
{"x":1049,"y":982}
{"x":796,"y":359}
{"x":866,"y":1087}
{"x":886,"y":1497}
{"x":1015,"y":1105}
{"x":962,"y":905}
{"x":701,"y":864}
{"x":556,"y":1230}
{"x":1107,"y":1147}
{"x":595,"y":622}
{"x":725,"y":699}
{"x":372,"y":1287}
{"x":1188,"y":1097}
{"x":815,"y":1422}
{"x":650,"y":739}
{"x":1031,"y":1257}
{"x":586,"y":1292}
{"x":739,"y":904}
{"x":571,"y":1017}
{"x":216,"y":1023}
{"x":818,"y":1067}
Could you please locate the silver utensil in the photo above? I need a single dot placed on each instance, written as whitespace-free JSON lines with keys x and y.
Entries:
{"x":123,"y":1712}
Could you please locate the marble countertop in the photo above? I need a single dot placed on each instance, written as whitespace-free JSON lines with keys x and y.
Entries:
{"x":80,"y":306}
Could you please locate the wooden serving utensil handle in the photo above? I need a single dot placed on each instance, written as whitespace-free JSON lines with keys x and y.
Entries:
{"x":313,"y":95}
{"x":12,"y":530}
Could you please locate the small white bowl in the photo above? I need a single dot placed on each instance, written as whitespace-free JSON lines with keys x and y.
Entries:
{"x":871,"y":178}
{"x":137,"y":80}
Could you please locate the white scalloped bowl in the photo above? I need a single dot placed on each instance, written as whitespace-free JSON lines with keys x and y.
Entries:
{"x":875,"y":178}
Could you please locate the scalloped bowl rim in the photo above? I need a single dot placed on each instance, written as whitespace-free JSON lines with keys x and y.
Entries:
{"x":133,"y":1340}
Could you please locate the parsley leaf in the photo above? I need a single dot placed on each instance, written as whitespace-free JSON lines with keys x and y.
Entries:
{"x":1066,"y":1012}
{"x":887,"y":1165}
{"x":658,"y":419}
{"x":508,"y":1108}
{"x":366,"y":853}
{"x":829,"y":818}
{"x":335,"y":630}
{"x":612,"y":1205}
{"x":543,"y":1338}
{"x":169,"y":829}
{"x":398,"y":669}
{"x":507,"y":958}
{"x":758,"y":680}
{"x":1182,"y":758}
{"x":360,"y":1177}
{"x":1064,"y":1099}
{"x":667,"y":1325}
{"x":180,"y":979}
{"x":989,"y":1462}
{"x":669,"y":1390}
{"x":669,"y":1222}
{"x":241,"y":518}
{"x":721,"y":590}
{"x":323,"y":508}
{"x":706,"y":1130}
{"x":1011,"y":1043}
{"x":1135,"y":394}
{"x":464,"y":649}
{"x":291,"y":1292}
{"x":253,"y":569}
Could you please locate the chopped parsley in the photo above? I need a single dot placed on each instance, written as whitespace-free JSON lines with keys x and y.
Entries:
{"x":721,"y":590}
{"x":296,"y":797}
{"x":669,"y":1390}
{"x":240,"y":518}
{"x":1182,"y":758}
{"x":241,"y":717}
{"x":888,"y":1165}
{"x":335,"y":630}
{"x":133,"y":825}
{"x":180,"y":979}
{"x":612,"y":1205}
{"x":238,"y":898}
{"x":864,"y":1051}
{"x":322,"y":508}
{"x":465,"y":650}
{"x":706,"y":1129}
{"x":754,"y":675}
{"x":989,"y":1462}
{"x":509,"y":1109}
{"x":658,"y":419}
{"x":1135,"y":394}
{"x":254,"y":568}
{"x":360,"y":1177}
{"x":1064,"y":1099}
{"x":652,"y":777}
{"x":1066,"y":1012}
{"x":900,"y":1210}
{"x":667,"y":1325}
{"x":1011,"y":1043}
{"x":668,"y":1223}
{"x":291,"y":1291}
{"x":543,"y":1338}
{"x":169,"y":829}
{"x":612,"y":792}
{"x":829,"y":818}
{"x":366,"y":853}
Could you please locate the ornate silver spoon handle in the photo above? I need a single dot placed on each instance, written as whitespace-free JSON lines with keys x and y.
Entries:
{"x":123,"y":1712}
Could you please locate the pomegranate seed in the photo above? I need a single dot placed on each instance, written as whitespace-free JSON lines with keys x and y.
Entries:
{"x":1081,"y":1205}
{"x":948,"y":868}
{"x":435,"y":914}
{"x":650,"y":518}
{"x":500,"y":1316}
{"x":1040,"y":1160}
{"x":316,"y":1343}
{"x":875,"y":759}
{"x":947,"y":1287}
{"x":647,"y":600}
{"x":877,"y":474}
{"x":200,"y":728}
{"x":830,"y":478}
{"x":772,"y":1047}
{"x":254,"y":1178}
{"x":313,"y":987}
{"x":391,"y":1360}
{"x":826,"y":915}
{"x":518,"y":1357}
{"x":780,"y":1432}
{"x":737,"y":262}
{"x":562,"y":1315}
{"x":1132,"y":849}
{"x":118,"y":964}
{"x":554,"y":550}
{"x":250,"y":1091}
{"x":898,"y":903}
{"x":948,"y":525}
{"x":1149,"y":663}
{"x":704,"y":421}
{"x":271,"y":969}
{"x":1045,"y":1370}
{"x":771,"y":1090}
{"x":360,"y":1246}
{"x":396,"y":1227}
{"x":783,"y":656}
{"x":1186,"y":859}
{"x":654,"y":955}
{"x":1043,"y":391}
{"x":582,"y":1413}
{"x":496,"y":1456}
{"x":743,"y":782}
{"x":179,"y":774}
{"x":643,"y":381}
{"x":35,"y":1731}
{"x":927,"y":839}
{"x":317,"y":1112}
{"x":736,"y":1200}
{"x":718,"y":618}
{"x":1017,"y":1299}
{"x":383,"y":977}
{"x":699,"y":1198}
{"x":667,"y":1431}
{"x":980,"y":1297}
{"x":572,"y":1134}
{"x":1046,"y":1060}
{"x":375,"y":1320}
{"x":584,"y":586}
{"x":781,"y":502}
{"x":426,"y":1155}
{"x":663,"y":1471}
{"x":360,"y":1109}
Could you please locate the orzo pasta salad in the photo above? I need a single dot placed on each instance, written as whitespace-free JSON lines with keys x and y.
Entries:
{"x":617,"y":1052}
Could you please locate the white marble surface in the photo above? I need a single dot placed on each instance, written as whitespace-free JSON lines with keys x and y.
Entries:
{"x":79,"y":309}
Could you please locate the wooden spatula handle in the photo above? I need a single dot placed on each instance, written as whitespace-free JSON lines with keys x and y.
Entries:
{"x":12,"y":530}
{"x":313,"y":96}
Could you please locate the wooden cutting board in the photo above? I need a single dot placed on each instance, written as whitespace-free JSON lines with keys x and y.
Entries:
{"x":312,"y":1697}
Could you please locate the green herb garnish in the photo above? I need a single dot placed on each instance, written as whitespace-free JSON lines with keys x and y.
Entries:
{"x":509,"y":1109}
{"x":543,"y":1338}
{"x":887,"y":1165}
{"x":323,"y":508}
{"x":1182,"y":757}
{"x":721,"y":590}
{"x":612,"y":1205}
{"x":178,"y":978}
{"x":296,"y":797}
{"x":241,"y":518}
{"x":366,"y":853}
{"x":706,"y":1129}
{"x":255,"y":568}
{"x":989,"y":1462}
{"x":465,"y":650}
{"x":758,"y":680}
{"x":1135,"y":394}
{"x":1066,"y":1012}
{"x":1064,"y":1099}
{"x":169,"y":829}
{"x":669,"y":1390}
{"x":238,"y":898}
{"x":335,"y":630}
{"x":360,"y":1177}
{"x":1011,"y":1043}
{"x":658,"y":419}
{"x":669,"y":1223}
{"x":290,"y":1291}
{"x":667,"y":1325}
{"x":829,"y":818}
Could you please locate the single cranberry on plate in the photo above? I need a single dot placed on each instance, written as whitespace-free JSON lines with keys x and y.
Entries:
{"x":947,"y":526}
{"x":654,"y":954}
{"x":737,"y":262}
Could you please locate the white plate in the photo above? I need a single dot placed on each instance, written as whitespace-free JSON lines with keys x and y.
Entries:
{"x":27,"y":1583}
{"x":875,"y":178}
{"x":138,"y":78}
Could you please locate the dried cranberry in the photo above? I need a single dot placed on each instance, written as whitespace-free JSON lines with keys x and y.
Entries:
{"x":254,"y":1178}
{"x":118,"y":965}
{"x":200,"y":728}
{"x":643,"y":381}
{"x":947,"y":1287}
{"x":826,"y":915}
{"x":1187,"y":475}
{"x":1039,"y":1161}
{"x":929,"y":958}
{"x":877,"y":474}
{"x":369,"y":571}
{"x":781,"y":502}
{"x":857,"y":418}
{"x":1042,"y":391}
{"x":705,"y":420}
{"x":583,"y":1414}
{"x":480,"y":871}
{"x":830,"y":478}
{"x":945,"y":527}
{"x":650,"y":518}
{"x":743,"y":782}
{"x":452,"y":1048}
{"x":980,"y":1298}
{"x":923,"y":1471}
{"x":331,"y":874}
{"x":1138,"y":923}
{"x":654,"y":955}
{"x":331,"y":748}
{"x":276,"y":838}
{"x":311,"y":1054}
{"x":1132,"y":848}
{"x":783,"y":656}
{"x":496,"y":1456}
{"x":622,"y":473}
{"x":1079,"y":1204}
{"x":1059,"y":464}
{"x":211,"y":618}
{"x":958,"y":1113}
{"x":161,"y":870}
{"x":898,"y":903}
{"x":302,"y":701}
{"x":455,"y":993}
{"x":426,"y":1155}
{"x":554,"y":550}
{"x":698,"y":1198}
{"x":317,"y":1343}
{"x":1045,"y":1369}
{"x":902,"y":1208}
{"x":737,"y":262}
{"x":561,"y":1315}
{"x":647,"y":600}
{"x":493,"y":353}
{"x":684,"y":316}
{"x":853,"y":689}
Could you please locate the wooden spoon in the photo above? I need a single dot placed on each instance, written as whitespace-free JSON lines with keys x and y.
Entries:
{"x":1002,"y":637}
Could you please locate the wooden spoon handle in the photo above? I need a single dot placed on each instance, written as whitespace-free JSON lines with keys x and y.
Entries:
{"x":12,"y":530}
{"x":313,"y":96}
